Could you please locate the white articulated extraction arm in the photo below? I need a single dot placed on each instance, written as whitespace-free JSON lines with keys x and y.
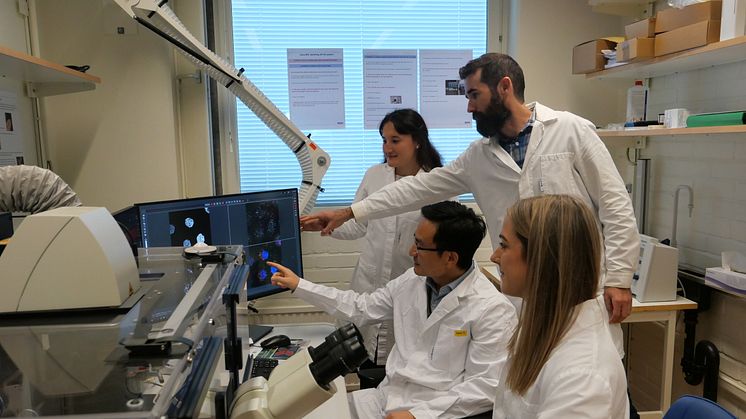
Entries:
{"x":158,"y":17}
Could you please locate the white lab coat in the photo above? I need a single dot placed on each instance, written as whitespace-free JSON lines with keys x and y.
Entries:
{"x":583,"y":377}
{"x":564,"y":156}
{"x":384,"y":254}
{"x":445,"y":365}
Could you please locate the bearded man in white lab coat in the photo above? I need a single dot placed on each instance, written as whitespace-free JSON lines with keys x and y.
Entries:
{"x":527,"y":150}
{"x":450,"y":323}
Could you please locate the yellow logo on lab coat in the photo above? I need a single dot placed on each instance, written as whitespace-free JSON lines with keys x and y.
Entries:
{"x":461,"y":333}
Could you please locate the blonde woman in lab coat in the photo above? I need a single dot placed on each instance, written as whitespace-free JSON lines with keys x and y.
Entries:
{"x":562,"y":362}
{"x":384,"y":256}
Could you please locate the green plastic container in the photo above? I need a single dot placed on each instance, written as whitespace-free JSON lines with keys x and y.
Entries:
{"x":716,"y":119}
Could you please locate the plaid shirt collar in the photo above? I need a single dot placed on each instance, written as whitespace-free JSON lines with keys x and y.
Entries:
{"x":517,"y":146}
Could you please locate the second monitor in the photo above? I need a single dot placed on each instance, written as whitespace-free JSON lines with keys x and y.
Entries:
{"x":265,"y":223}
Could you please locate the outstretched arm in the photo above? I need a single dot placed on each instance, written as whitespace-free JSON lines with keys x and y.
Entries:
{"x":347,"y":305}
{"x":405,"y":195}
{"x":325,"y":221}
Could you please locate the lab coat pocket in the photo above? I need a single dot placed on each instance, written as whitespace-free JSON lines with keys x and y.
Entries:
{"x":409,"y":321}
{"x":451,"y":347}
{"x":558,"y":174}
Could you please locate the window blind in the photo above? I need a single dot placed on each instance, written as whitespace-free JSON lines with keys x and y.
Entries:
{"x":263,"y":30}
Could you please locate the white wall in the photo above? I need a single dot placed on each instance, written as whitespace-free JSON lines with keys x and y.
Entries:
{"x":542,"y":39}
{"x":117,"y":144}
{"x":12,"y":26}
{"x":13,"y":36}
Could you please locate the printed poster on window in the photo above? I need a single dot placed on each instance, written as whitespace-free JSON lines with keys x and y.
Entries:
{"x":389,"y":83}
{"x":442,"y":95}
{"x":316,"y":87}
{"x":11,"y":140}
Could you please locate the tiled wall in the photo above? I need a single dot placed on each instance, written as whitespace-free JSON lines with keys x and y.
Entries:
{"x":714,"y":166}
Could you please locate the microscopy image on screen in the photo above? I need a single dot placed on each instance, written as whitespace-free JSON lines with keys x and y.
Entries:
{"x":189,"y":227}
{"x":257,"y":257}
{"x":263,"y":222}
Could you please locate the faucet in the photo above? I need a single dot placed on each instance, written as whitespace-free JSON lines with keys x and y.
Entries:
{"x":676,"y":209}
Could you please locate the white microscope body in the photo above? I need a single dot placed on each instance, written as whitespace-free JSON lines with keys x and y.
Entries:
{"x":291,"y":392}
{"x":302,"y":382}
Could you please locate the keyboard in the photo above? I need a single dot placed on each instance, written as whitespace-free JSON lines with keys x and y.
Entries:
{"x":263,"y":367}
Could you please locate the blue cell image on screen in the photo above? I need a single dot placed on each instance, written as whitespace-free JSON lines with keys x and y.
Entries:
{"x":257,"y":256}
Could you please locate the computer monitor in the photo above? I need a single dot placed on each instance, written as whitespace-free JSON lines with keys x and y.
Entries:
{"x":265,"y":223}
{"x":129,"y":221}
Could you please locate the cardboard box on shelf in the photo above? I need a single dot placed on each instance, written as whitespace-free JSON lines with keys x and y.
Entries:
{"x":692,"y":36}
{"x":670,"y":19}
{"x":635,"y":49}
{"x":641,"y":29}
{"x":587,"y":57}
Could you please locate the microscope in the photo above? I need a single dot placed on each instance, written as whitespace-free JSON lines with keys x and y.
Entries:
{"x":303,"y":382}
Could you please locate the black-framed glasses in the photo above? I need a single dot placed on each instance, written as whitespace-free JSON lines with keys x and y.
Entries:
{"x":429,"y":249}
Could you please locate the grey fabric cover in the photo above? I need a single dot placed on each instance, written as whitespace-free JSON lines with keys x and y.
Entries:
{"x":33,"y":189}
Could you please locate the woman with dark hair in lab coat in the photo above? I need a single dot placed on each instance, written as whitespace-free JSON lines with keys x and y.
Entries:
{"x":562,"y":362}
{"x":384,"y":256}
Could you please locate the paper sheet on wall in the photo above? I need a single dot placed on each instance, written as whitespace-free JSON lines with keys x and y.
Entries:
{"x":389,"y":83}
{"x":316,"y":87}
{"x":11,"y":140}
{"x":442,"y":102}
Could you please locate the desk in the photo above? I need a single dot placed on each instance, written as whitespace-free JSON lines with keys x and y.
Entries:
{"x":337,"y":407}
{"x":664,"y":311}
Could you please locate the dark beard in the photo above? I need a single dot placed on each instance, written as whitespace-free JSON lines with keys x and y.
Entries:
{"x":491,"y":122}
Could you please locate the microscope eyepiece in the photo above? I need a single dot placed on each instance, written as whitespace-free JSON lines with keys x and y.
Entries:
{"x":339,"y":360}
{"x":335,"y":338}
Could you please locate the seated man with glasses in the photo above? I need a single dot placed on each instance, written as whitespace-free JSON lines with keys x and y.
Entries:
{"x":451,"y":324}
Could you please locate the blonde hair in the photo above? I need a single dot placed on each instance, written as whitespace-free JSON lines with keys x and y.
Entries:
{"x":561,"y":246}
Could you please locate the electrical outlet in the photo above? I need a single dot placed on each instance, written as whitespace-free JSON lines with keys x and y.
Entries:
{"x":116,"y":21}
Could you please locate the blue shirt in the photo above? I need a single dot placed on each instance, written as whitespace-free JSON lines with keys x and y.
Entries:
{"x":517,"y":146}
{"x":435,"y":296}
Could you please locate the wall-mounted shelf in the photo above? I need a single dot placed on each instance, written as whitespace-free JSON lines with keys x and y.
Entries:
{"x":724,"y":52}
{"x":44,"y":78}
{"x":656,"y":132}
{"x":638,"y":138}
